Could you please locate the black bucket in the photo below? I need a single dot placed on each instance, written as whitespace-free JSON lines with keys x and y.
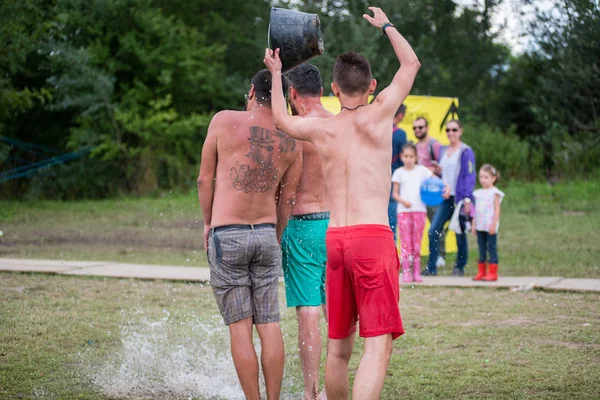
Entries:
{"x":296,"y":34}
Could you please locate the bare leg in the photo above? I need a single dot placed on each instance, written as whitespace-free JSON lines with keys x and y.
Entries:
{"x":244,"y":357}
{"x":323,"y":394}
{"x":272,"y":357}
{"x":309,"y":344}
{"x":337,"y":382}
{"x":373,"y":366}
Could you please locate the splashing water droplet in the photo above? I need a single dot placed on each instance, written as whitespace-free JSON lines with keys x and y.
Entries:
{"x":171,"y":357}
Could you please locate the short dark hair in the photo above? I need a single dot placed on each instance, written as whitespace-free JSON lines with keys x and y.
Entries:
{"x":352,"y":73}
{"x":262,"y":86}
{"x":306,"y":79}
{"x":401,"y":109}
{"x":424,"y":119}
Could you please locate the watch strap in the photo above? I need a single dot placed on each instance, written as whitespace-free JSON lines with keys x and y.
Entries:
{"x":385,"y":26}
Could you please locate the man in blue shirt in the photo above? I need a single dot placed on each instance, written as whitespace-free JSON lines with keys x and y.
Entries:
{"x":398,"y":141}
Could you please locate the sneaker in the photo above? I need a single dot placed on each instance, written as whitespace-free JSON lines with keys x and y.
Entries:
{"x":458,"y":272}
{"x":427,"y":272}
{"x":440,"y":262}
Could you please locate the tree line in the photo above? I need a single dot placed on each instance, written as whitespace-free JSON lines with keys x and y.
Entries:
{"x":126,"y":88}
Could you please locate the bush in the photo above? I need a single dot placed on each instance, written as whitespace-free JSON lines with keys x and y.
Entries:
{"x":512,"y":156}
{"x":81,"y":179}
{"x":573,"y":158}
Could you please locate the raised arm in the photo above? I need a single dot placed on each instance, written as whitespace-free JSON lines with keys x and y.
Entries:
{"x":296,"y":127}
{"x":392,"y":97}
{"x":206,"y":177}
{"x":287,"y":194}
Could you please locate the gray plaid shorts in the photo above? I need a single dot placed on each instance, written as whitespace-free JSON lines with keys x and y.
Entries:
{"x":245,"y":261}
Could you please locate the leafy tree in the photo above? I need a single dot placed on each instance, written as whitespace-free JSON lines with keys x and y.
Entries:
{"x":21,"y":23}
{"x":550,"y":93}
{"x":142,"y":83}
{"x":568,"y":39}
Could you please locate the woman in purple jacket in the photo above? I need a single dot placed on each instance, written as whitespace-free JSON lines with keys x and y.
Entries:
{"x":457,"y":162}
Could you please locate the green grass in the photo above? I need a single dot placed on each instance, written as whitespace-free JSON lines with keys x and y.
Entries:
{"x":164,"y":230}
{"x":545,"y":230}
{"x":78,"y":338}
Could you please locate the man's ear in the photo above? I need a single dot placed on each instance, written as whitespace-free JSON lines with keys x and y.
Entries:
{"x":372,"y":86}
{"x":251,"y":92}
{"x":293,"y":93}
{"x":321,"y":94}
{"x":335,"y":89}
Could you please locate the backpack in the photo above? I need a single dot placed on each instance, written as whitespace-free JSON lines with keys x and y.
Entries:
{"x":431,"y":153}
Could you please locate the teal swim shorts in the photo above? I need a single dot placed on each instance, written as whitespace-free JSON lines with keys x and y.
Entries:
{"x":304,"y":257}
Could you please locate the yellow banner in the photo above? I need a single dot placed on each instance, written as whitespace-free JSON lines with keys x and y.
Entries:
{"x":437,"y":111}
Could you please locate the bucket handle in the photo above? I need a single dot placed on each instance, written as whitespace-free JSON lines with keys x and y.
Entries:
{"x":269,"y":37}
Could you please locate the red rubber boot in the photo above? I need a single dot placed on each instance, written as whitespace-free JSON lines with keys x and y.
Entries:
{"x":492,"y":275}
{"x":481,"y":267}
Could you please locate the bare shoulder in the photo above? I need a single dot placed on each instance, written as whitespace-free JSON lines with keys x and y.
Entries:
{"x":310,"y":127}
{"x":376,"y":108}
{"x":227,"y":116}
{"x":369,"y":116}
{"x":321,"y":113}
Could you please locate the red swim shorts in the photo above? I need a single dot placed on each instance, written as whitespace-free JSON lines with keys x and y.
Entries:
{"x":362,"y":281}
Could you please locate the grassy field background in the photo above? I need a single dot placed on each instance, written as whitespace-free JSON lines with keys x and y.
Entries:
{"x":82,"y":338}
{"x":94,"y":338}
{"x":545,"y":230}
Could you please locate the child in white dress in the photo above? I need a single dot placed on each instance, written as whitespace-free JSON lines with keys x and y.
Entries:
{"x":487,"y":221}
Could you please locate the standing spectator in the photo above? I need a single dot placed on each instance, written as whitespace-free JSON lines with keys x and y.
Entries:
{"x":427,"y":147}
{"x":429,"y":150}
{"x":487,"y":222}
{"x":407,"y":181}
{"x":458,"y":172}
{"x":398,"y":141}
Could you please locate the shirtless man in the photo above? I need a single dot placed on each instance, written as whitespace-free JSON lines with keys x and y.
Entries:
{"x":303,"y":242}
{"x":244,"y":160}
{"x":362,"y":262}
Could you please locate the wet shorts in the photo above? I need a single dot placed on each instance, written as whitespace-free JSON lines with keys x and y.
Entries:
{"x":245,"y":261}
{"x":362,"y":281}
{"x":304,"y":258}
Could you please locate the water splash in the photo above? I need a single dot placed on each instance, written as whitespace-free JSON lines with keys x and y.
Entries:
{"x":176,"y":357}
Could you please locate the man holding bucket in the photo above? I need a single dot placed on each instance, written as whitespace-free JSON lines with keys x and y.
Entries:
{"x":303,"y":242}
{"x":362,"y":262}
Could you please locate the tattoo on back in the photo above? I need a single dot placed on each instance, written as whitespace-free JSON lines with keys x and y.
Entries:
{"x":262,"y":178}
{"x":286,"y":143}
{"x":261,"y":146}
{"x":259,"y":180}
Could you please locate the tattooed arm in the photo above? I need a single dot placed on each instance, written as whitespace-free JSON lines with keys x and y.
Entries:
{"x":287,"y":194}
{"x":208,"y":168}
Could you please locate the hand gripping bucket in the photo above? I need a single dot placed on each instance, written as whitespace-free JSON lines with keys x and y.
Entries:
{"x":296,"y":34}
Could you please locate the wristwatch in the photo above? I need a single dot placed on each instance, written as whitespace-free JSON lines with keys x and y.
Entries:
{"x":385,"y":26}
